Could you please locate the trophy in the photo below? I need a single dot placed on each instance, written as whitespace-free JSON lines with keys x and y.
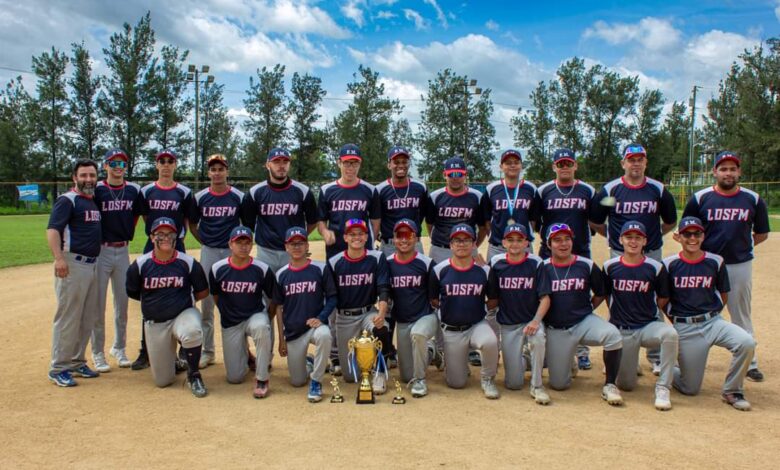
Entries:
{"x":364,"y":352}
{"x":398,"y":399}
{"x":337,"y":396}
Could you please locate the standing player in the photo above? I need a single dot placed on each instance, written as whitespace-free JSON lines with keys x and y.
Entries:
{"x":571,"y":321}
{"x":735,"y":219}
{"x":74,"y":235}
{"x":216,"y":214}
{"x":637,"y":286}
{"x":519,"y":288}
{"x":300,"y":300}
{"x":238,"y":283}
{"x":458,"y":287}
{"x":357,"y":277}
{"x":168,"y":282}
{"x":417,"y":323}
{"x":120,"y":206}
{"x":699,"y":289}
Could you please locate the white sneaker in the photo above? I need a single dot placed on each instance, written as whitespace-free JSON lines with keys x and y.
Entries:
{"x":419,"y":388}
{"x":611,"y":394}
{"x":663,"y":401}
{"x":101,"y":365}
{"x":656,"y":369}
{"x":379,"y":384}
{"x":206,"y":359}
{"x":121,"y":357}
{"x":489,"y":387}
{"x":540,"y":396}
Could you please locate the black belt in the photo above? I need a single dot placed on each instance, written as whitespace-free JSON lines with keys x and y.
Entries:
{"x":352,"y":312}
{"x":694,"y":319}
{"x":115,"y":244}
{"x":85,"y":259}
{"x":566,"y":327}
{"x":447,"y":327}
{"x":440,"y":246}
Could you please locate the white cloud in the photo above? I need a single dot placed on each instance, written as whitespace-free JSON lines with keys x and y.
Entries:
{"x":439,"y":13}
{"x":352,"y":10}
{"x":492,"y":25}
{"x":511,"y":37}
{"x":385,"y":15}
{"x":358,"y":56}
{"x":777,"y":10}
{"x":652,"y":33}
{"x":420,"y":23}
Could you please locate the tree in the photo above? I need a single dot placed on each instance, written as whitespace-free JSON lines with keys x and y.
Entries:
{"x":18,"y":113}
{"x":673,"y":153}
{"x":267,"y":123}
{"x":308,"y":163}
{"x":533,"y":130}
{"x":86,"y":125}
{"x":648,"y":132}
{"x":567,"y":100}
{"x":217,"y":129}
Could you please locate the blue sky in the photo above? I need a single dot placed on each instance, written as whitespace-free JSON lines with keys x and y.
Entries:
{"x":508,"y":45}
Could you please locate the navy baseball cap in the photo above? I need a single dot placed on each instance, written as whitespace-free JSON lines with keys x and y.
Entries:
{"x":355,"y":223}
{"x":555,"y":229}
{"x":240,"y":232}
{"x":217,"y":158}
{"x":163,"y":222}
{"x":563,"y":154}
{"x":633,"y":226}
{"x":116,"y":153}
{"x":515,"y":229}
{"x":296,"y":232}
{"x":463,"y":229}
{"x":405,"y":223}
{"x":689,"y":222}
{"x":278,"y":152}
{"x":397,"y":151}
{"x":727,"y":155}
{"x":166,"y":153}
{"x":350,"y":152}
{"x":511,"y":153}
{"x":454,"y":165}
{"x":634,"y":149}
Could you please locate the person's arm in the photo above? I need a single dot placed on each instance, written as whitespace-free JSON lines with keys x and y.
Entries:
{"x":668,"y":212}
{"x":601,"y":229}
{"x":327,"y":235}
{"x":541,"y":311}
{"x":596,"y":301}
{"x":482,"y":232}
{"x":194,"y":230}
{"x":200,"y":295}
{"x":279,"y":312}
{"x":666,"y":228}
{"x":759,"y":238}
{"x":54,"y":240}
{"x":662,"y":302}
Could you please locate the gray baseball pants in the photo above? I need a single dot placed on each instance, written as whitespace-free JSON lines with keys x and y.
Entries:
{"x":656,"y":334}
{"x":235,"y":352}
{"x":348,"y":327}
{"x":512,"y":342}
{"x":275,"y":260}
{"x":740,"y":295}
{"x":208,"y":256}
{"x":412,"y":339}
{"x":456,"y":351}
{"x":161,"y":339}
{"x":296,"y":355}
{"x":111,"y":265}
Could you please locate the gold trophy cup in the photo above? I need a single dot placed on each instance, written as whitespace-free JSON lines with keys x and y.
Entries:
{"x":364,"y":351}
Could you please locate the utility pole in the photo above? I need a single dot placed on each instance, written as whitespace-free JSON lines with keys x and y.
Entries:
{"x":691,"y":140}
{"x":477,"y":91}
{"x":193,"y":75}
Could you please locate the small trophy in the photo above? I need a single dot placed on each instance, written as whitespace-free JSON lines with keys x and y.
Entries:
{"x":398,"y":399}
{"x":363,"y":352}
{"x":337,"y":397}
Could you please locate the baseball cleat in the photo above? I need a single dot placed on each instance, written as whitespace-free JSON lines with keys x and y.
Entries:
{"x":180,"y":365}
{"x":392,"y":362}
{"x":755,"y":375}
{"x":737,"y":400}
{"x":419,"y":388}
{"x":489,"y":387}
{"x":583,"y":363}
{"x":663,"y":401}
{"x":206,"y":359}
{"x":335,"y":367}
{"x":62,"y":378}
{"x":611,"y":394}
{"x":540,"y":396}
{"x":85,"y":372}
{"x":142,"y":362}
{"x":261,"y":389}
{"x":475,"y":359}
{"x":315,"y":391}
{"x":437,"y":358}
{"x":379,"y":386}
{"x":121,"y":357}
{"x":101,"y":365}
{"x":197,"y":387}
{"x":656,"y":369}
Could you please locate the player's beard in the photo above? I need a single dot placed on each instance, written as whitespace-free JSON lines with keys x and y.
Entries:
{"x":87,"y":189}
{"x":728,"y":185}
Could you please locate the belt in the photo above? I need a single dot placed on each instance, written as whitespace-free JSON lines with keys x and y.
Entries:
{"x":85,"y":259}
{"x":447,"y":327}
{"x":115,"y":244}
{"x":352,"y":312}
{"x":440,"y":246}
{"x":566,"y":327}
{"x":694,"y":319}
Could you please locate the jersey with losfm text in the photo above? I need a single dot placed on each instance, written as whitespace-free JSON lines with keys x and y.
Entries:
{"x":446,"y":210}
{"x":409,"y":287}
{"x":175,"y":202}
{"x":339,"y":203}
{"x":570,"y":291}
{"x":300,"y":292}
{"x":570,"y":205}
{"x":695,"y":286}
{"x":77,"y":219}
{"x":461,"y":292}
{"x":401,"y":202}
{"x":271,"y":210}
{"x":217,"y":214}
{"x":120,"y":207}
{"x":356,"y":281}
{"x":496,"y":203}
{"x":633,"y":291}
{"x":518,"y":286}
{"x":240,"y":289}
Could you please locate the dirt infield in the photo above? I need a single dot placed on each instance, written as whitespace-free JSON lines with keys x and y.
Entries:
{"x":121,"y":420}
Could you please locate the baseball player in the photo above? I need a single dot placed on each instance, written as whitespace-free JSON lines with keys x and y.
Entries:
{"x":735,"y":220}
{"x":238,"y":283}
{"x":639,"y":198}
{"x":571,"y":321}
{"x":519,"y":288}
{"x":357,"y":277}
{"x":74,"y":236}
{"x":217,"y":212}
{"x":637,"y":286}
{"x":119,"y":203}
{"x":699,"y":290}
{"x":458,"y":287}
{"x":300,"y":297}
{"x":417,"y":322}
{"x":168,"y":282}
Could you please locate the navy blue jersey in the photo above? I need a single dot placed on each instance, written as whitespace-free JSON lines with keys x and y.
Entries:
{"x":300,"y":292}
{"x":272,"y":210}
{"x":217,"y":215}
{"x":409,"y":287}
{"x":570,"y":287}
{"x":461,"y":292}
{"x":120,"y":207}
{"x":340,"y":203}
{"x":446,"y":210}
{"x":401,"y":202}
{"x":174,"y":202}
{"x":694,"y":285}
{"x":240,"y":290}
{"x":518,"y":287}
{"x":496,"y":208}
{"x":729,"y":222}
{"x":649,"y":203}
{"x":77,"y":218}
{"x":356,"y":282}
{"x":165,"y":288}
{"x":570,"y":205}
{"x":633,"y":290}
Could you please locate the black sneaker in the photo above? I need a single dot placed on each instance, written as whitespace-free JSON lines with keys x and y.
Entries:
{"x":335,"y":367}
{"x":755,"y":375}
{"x":474,"y":359}
{"x":142,"y":362}
{"x":197,"y":386}
{"x":180,"y":365}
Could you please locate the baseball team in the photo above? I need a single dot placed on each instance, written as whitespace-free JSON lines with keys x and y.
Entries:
{"x":450,"y":309}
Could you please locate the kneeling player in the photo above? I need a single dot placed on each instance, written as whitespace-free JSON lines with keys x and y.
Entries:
{"x":571,"y":321}
{"x":458,"y":287}
{"x":165,"y":281}
{"x":636,"y":287}
{"x":237,"y":284}
{"x":699,"y":286}
{"x":304,"y":315}
{"x":520,"y":289}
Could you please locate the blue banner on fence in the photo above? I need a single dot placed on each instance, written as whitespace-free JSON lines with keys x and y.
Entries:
{"x":28,"y":193}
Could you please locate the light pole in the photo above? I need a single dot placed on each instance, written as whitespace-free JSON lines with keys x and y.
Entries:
{"x":193,"y":75}
{"x":468,"y":84}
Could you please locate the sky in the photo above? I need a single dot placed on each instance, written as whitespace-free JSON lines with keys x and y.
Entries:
{"x":508,"y":46}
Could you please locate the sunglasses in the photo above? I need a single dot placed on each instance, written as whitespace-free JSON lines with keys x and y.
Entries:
{"x":564,"y":164}
{"x":166,"y":161}
{"x":117,"y":164}
{"x":634,"y":149}
{"x":692,"y":233}
{"x":558,"y":227}
{"x":456,"y":174}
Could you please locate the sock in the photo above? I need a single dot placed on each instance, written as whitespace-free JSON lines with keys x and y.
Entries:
{"x":612,"y":364}
{"x":387,"y":340}
{"x":193,"y":359}
{"x":143,"y":337}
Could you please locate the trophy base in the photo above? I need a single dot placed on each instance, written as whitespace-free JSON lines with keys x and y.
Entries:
{"x":338,"y":399}
{"x":399,"y":400}
{"x":365,"y":397}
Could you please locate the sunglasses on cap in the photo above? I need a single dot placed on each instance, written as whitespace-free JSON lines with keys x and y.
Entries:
{"x":634,"y":149}
{"x":117,"y":163}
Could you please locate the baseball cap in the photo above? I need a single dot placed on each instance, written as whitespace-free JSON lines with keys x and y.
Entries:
{"x":350,"y":152}
{"x":115,"y":153}
{"x":355,"y":223}
{"x":633,"y":226}
{"x":515,"y":229}
{"x":405,"y":223}
{"x":454,"y":165}
{"x":563,"y":154}
{"x":278,"y":152}
{"x":725,"y":156}
{"x":511,"y":153}
{"x":633,"y":149}
{"x":689,"y":223}
{"x":166,"y":153}
{"x":163,"y":222}
{"x":555,"y":229}
{"x":463,"y":229}
{"x":217,"y":158}
{"x":396,"y":151}
{"x":240,"y":232}
{"x":295,"y":232}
